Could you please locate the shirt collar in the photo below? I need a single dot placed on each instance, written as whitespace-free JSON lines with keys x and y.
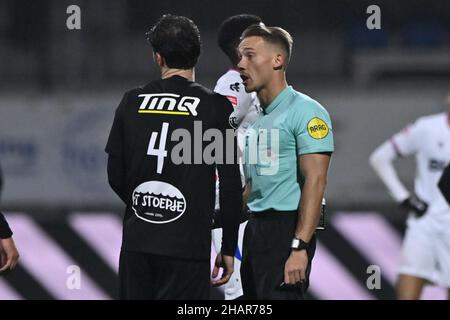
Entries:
{"x":278,"y":100}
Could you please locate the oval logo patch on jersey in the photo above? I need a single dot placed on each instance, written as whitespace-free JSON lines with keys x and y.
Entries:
{"x":158,"y":202}
{"x":317,"y":128}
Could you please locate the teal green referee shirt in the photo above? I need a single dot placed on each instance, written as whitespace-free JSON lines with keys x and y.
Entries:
{"x":292,"y":125}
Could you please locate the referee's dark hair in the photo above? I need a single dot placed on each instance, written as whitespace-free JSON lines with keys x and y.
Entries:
{"x":273,"y":35}
{"x":177,"y":40}
{"x":231,"y":30}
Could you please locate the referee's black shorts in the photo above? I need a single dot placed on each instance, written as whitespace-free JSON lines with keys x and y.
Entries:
{"x":144,"y":276}
{"x":266,"y":247}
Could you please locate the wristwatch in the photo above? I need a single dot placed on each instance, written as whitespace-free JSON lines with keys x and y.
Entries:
{"x":299,"y":244}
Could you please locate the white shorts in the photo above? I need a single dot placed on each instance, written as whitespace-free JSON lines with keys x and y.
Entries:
{"x":426,"y":252}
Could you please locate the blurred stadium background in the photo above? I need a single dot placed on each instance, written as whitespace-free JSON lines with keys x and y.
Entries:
{"x":59,"y":89}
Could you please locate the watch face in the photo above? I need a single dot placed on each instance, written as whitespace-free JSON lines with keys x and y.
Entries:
{"x":295,"y":244}
{"x":298,"y":244}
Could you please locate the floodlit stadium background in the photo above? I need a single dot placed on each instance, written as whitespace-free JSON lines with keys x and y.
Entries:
{"x":59,"y":89}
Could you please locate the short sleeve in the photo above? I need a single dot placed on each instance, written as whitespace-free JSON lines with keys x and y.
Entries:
{"x":406,"y":142}
{"x":311,"y":125}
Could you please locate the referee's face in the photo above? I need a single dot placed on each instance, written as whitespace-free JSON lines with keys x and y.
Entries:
{"x":255,"y":65}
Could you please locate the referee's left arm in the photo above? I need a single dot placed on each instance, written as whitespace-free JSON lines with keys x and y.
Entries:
{"x":314,"y":168}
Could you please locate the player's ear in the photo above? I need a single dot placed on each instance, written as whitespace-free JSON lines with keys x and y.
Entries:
{"x":278,"y":61}
{"x":159,"y":59}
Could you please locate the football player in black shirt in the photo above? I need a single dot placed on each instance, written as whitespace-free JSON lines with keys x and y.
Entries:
{"x":157,"y":166}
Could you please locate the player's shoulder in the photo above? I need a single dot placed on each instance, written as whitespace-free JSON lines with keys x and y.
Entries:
{"x":230,"y":77}
{"x":230,"y":82}
{"x":428,"y":122}
{"x":432,"y":118}
{"x":134,"y":91}
{"x":206,"y":95}
{"x":128,"y":97}
{"x":201,"y":89}
{"x":304,"y":104}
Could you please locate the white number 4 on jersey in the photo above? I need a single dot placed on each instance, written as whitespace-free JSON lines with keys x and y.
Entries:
{"x":161,"y":152}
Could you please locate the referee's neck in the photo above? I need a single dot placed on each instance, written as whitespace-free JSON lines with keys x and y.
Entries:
{"x":185,"y":73}
{"x":271,"y":91}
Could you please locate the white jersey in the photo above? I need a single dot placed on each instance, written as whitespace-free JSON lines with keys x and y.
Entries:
{"x":246,"y":105}
{"x":425,"y":250}
{"x":246,"y":112}
{"x":429,"y":140}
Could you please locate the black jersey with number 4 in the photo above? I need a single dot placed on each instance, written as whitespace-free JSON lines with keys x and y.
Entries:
{"x":156,"y":166}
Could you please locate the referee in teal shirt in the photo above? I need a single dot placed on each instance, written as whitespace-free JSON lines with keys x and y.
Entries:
{"x":286,"y":158}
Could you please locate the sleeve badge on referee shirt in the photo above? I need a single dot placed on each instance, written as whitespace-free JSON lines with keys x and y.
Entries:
{"x":317,"y":128}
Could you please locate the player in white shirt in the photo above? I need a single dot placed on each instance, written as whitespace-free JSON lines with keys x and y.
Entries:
{"x":444,"y":184}
{"x":246,"y":111}
{"x":426,"y":246}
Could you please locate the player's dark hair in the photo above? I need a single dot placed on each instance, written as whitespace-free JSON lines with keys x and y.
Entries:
{"x":177,"y":40}
{"x":273,"y":35}
{"x":231,"y":30}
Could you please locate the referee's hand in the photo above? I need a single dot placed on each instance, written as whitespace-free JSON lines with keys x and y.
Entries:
{"x":295,"y":267}
{"x":225,"y":262}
